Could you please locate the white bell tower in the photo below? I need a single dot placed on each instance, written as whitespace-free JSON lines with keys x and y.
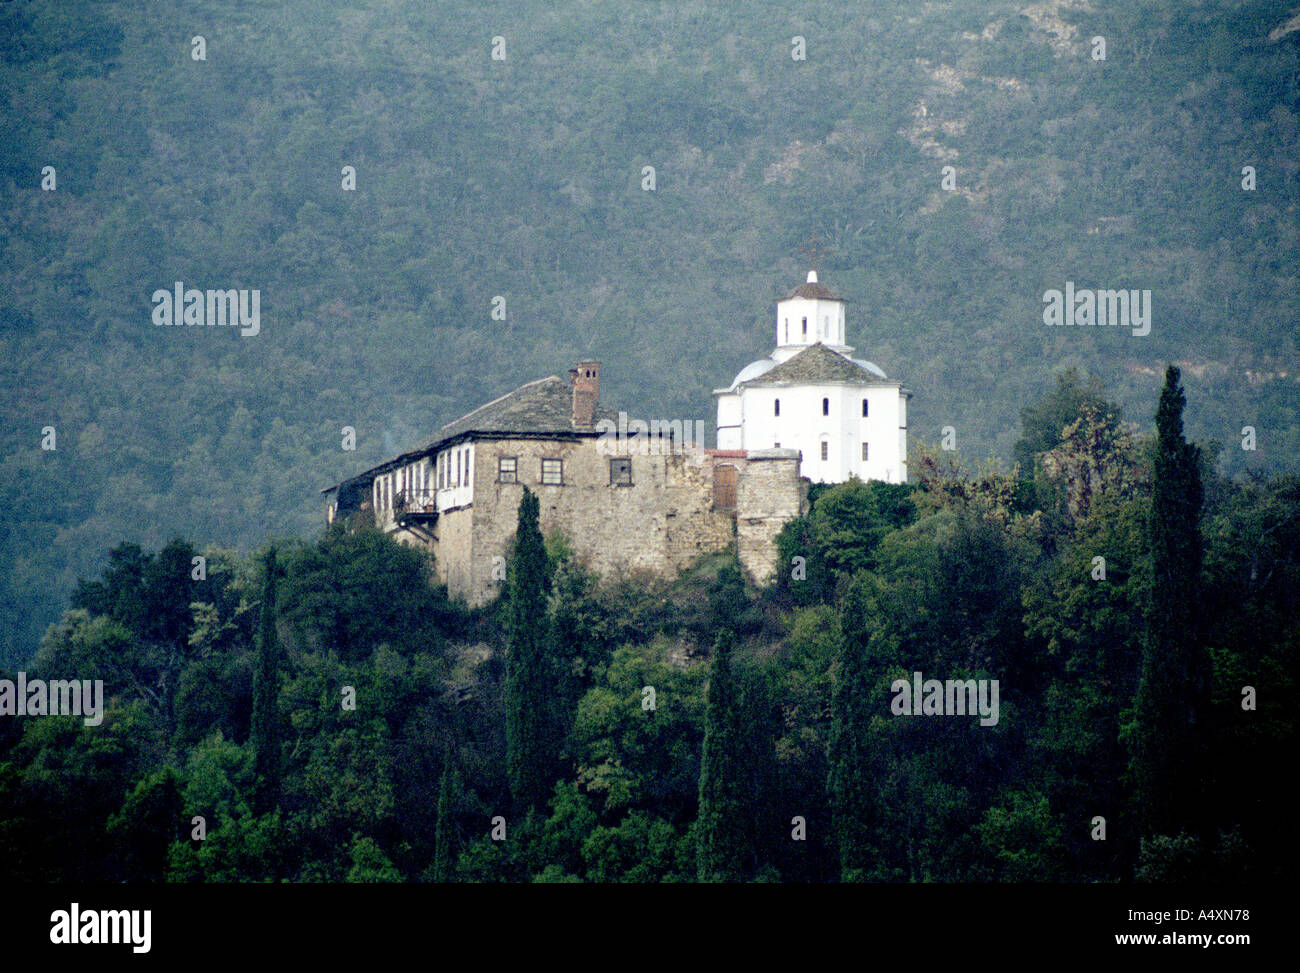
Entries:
{"x":809,"y":315}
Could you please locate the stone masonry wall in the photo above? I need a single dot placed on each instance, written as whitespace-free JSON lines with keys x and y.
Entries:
{"x":769,"y":495}
{"x":454,"y":552}
{"x":660,"y":524}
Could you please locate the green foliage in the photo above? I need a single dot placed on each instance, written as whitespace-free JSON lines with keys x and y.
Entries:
{"x":266,"y":697}
{"x":839,"y":536}
{"x":218,"y":437}
{"x":358,"y":589}
{"x":724,"y":844}
{"x":1024,"y":839}
{"x":850,"y":787}
{"x":369,"y":863}
{"x":630,"y":756}
{"x":533,"y":690}
{"x":1168,"y":757}
{"x":1043,"y":423}
{"x":648,"y":777}
{"x":447,"y":838}
{"x":146,"y":826}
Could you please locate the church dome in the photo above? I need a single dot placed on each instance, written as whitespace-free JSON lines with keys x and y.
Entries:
{"x":753,"y":370}
{"x":872,"y":367}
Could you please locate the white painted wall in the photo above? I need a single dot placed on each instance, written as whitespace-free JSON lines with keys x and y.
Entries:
{"x":747,"y":420}
{"x":825,"y":324}
{"x":455,"y":478}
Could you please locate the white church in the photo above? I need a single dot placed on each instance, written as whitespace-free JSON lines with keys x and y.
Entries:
{"x":842,"y":413}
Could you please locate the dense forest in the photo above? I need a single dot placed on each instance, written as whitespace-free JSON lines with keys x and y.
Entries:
{"x":146,"y":144}
{"x":321,"y":712}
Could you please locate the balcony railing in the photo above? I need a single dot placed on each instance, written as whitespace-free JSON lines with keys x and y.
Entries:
{"x":415,"y":501}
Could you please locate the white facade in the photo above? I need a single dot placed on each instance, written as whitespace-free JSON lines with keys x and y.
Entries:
{"x":440,"y":482}
{"x":843,"y":414}
{"x":803,"y":322}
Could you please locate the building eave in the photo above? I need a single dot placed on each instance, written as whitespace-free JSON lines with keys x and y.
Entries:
{"x":474,"y":435}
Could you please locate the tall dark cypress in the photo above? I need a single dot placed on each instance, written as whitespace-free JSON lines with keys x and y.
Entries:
{"x":723,"y":850}
{"x":446,"y":837}
{"x":1174,"y":680}
{"x":266,"y":716}
{"x":849,"y":783}
{"x":532,"y":689}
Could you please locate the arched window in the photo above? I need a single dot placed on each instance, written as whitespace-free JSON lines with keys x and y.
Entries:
{"x":805,"y":327}
{"x":826,"y":407}
{"x":776,"y":407}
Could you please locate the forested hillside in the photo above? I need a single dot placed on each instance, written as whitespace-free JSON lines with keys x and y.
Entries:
{"x":523,"y":177}
{"x":319,"y":712}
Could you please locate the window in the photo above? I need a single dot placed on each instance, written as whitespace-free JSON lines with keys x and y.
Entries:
{"x":553,"y":472}
{"x":467,"y":468}
{"x":776,"y":407}
{"x":776,"y":445}
{"x":620,"y":471}
{"x":864,"y":452}
{"x":864,"y":408}
{"x":826,"y":450}
{"x":826,"y":407}
{"x":787,"y":331}
{"x":805,"y":327}
{"x":507,"y":468}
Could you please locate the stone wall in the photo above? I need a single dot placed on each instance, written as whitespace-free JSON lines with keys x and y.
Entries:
{"x":660,"y":524}
{"x":769,"y":495}
{"x":454,"y":552}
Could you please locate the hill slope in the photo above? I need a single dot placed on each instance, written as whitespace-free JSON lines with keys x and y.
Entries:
{"x":523,"y":178}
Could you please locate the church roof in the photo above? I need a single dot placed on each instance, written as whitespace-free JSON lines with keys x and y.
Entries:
{"x":814,"y":365}
{"x":815,"y":291}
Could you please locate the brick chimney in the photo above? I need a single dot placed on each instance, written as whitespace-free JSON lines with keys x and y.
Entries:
{"x":585,"y":379}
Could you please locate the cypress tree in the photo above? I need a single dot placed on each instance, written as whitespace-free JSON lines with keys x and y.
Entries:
{"x":1173,"y":683}
{"x":851,"y":795}
{"x":266,"y":718}
{"x":447,"y":836}
{"x":722,"y":829}
{"x":532,"y":689}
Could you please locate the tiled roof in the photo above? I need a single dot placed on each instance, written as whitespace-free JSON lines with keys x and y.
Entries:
{"x":540,"y":407}
{"x":814,"y":291}
{"x":814,"y":365}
